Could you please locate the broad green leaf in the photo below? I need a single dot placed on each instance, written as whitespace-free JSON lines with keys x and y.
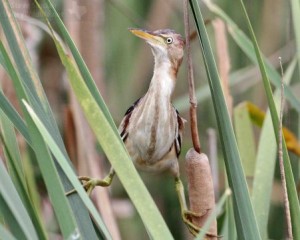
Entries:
{"x":245,"y":220}
{"x":290,"y":184}
{"x":14,"y":207}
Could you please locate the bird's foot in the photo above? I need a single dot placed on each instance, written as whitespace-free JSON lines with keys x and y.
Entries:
{"x":187,"y":217}
{"x":90,"y":183}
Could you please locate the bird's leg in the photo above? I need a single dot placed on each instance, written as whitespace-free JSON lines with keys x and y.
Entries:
{"x":187,"y":214}
{"x":90,"y":183}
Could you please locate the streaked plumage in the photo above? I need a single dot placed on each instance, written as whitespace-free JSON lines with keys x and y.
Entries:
{"x":152,"y":128}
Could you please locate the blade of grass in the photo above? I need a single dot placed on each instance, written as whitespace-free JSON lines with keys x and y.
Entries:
{"x":231,"y":230}
{"x":87,"y":77}
{"x":15,"y":206}
{"x":65,"y":166}
{"x":33,"y":92}
{"x":244,"y":216}
{"x":8,"y":218}
{"x":245,"y":44}
{"x":15,"y":167}
{"x":265,"y":163}
{"x":5,"y":234}
{"x":11,"y":148}
{"x":14,"y":117}
{"x":5,"y":105}
{"x":291,"y":188}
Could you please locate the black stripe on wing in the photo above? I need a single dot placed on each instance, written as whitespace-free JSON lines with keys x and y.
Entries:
{"x":179,"y":130}
{"x":125,"y":121}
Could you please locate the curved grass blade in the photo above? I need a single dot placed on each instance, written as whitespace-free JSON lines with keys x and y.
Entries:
{"x":5,"y":105}
{"x":244,"y":215}
{"x":291,"y":188}
{"x":69,"y":219}
{"x":9,"y":220}
{"x":14,"y":117}
{"x":16,"y":171}
{"x":5,"y":234}
{"x":245,"y":44}
{"x":12,"y":154}
{"x":86,"y":75}
{"x":15,"y":206}
{"x":66,"y":168}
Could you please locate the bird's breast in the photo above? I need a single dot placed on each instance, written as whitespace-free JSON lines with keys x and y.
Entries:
{"x":152,"y":132}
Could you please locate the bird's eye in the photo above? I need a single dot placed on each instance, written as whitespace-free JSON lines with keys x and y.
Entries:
{"x":169,"y":40}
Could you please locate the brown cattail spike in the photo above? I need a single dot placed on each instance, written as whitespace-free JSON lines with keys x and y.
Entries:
{"x":201,"y":190}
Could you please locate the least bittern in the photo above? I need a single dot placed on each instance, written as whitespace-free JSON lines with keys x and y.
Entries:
{"x":152,"y":128}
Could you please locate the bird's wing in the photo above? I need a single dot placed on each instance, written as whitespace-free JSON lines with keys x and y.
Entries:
{"x":125,"y":121}
{"x":179,"y":131}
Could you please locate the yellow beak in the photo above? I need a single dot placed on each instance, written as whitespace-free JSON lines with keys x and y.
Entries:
{"x":146,"y":35}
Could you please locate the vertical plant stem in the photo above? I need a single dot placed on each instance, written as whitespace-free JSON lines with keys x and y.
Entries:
{"x":280,"y":153}
{"x":193,"y":100}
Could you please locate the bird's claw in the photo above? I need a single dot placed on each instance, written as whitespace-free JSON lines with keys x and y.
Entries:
{"x":90,"y":183}
{"x":187,"y":217}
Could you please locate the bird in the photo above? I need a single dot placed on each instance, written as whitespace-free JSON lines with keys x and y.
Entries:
{"x":152,"y":128}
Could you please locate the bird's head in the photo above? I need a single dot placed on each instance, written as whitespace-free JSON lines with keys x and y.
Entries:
{"x":166,"y":44}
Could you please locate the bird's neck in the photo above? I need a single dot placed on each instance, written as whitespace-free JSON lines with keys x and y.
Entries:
{"x":163,"y":80}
